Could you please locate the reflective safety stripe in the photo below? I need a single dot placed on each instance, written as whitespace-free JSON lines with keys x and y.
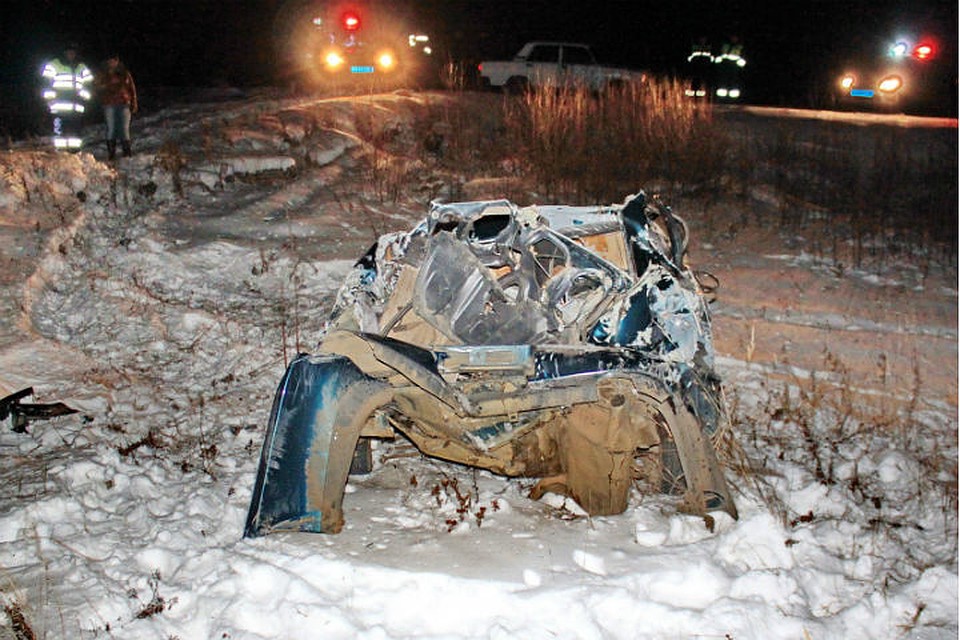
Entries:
{"x":67,"y":143}
{"x":725,"y":92}
{"x":67,"y":87}
{"x":732,"y":57}
{"x":69,"y":82}
{"x":69,"y":76}
{"x":66,"y":107}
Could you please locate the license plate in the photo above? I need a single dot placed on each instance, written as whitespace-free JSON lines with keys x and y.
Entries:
{"x":361,"y":69}
{"x":861,"y":93}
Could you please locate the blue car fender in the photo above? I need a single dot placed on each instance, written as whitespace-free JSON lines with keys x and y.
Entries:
{"x":320,"y":407}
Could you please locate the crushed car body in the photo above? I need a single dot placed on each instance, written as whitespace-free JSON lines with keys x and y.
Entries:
{"x":565,"y":343}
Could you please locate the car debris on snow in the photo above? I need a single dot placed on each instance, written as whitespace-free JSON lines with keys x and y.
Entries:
{"x":570,"y":344}
{"x":21,"y":413}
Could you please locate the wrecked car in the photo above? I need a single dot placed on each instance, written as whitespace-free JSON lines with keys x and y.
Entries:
{"x":569,"y":344}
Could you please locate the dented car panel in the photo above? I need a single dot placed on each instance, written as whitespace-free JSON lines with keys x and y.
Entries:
{"x":570,"y":344}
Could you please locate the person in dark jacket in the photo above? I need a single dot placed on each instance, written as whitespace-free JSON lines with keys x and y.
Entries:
{"x":118,"y":95}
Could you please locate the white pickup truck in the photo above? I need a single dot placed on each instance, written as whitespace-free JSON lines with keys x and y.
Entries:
{"x":553,"y":64}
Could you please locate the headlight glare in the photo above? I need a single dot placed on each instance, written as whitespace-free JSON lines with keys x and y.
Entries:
{"x":890,"y":84}
{"x":386,"y":61}
{"x":333,"y":60}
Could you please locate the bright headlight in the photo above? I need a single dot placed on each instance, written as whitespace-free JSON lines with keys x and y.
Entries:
{"x":333,"y":60}
{"x":890,"y":84}
{"x":386,"y":61}
{"x":847,"y":81}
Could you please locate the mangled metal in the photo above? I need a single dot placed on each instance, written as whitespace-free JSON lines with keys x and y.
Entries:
{"x":21,"y":412}
{"x":562,"y":343}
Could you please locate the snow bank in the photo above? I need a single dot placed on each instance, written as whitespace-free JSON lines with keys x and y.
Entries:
{"x":167,"y":318}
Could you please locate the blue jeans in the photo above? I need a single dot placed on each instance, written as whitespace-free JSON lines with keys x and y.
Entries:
{"x":118,"y":121}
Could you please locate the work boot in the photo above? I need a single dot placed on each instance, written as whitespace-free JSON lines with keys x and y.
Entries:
{"x":127,"y":152}
{"x":111,"y":149}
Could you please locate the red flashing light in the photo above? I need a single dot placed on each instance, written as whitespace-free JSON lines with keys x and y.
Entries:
{"x":923,"y":52}
{"x":351,"y":21}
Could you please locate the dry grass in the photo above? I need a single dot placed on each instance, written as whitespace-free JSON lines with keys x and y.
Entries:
{"x":568,"y":145}
{"x":873,"y":194}
{"x":580,"y":147}
{"x":864,"y":195}
{"x":828,"y":432}
{"x":19,"y":625}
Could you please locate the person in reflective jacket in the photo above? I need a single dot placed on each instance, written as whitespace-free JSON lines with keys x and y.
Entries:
{"x":729,"y":73}
{"x":66,"y":92}
{"x":118,"y":95}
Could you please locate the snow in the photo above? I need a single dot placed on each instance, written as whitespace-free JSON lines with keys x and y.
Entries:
{"x":163,"y":305}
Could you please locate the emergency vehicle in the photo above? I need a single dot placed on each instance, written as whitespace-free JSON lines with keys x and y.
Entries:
{"x":903,"y":73}
{"x":351,"y":43}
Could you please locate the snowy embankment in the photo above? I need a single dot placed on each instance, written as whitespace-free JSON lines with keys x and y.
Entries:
{"x":162,"y":303}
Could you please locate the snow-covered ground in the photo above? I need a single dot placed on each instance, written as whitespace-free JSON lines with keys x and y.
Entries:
{"x":162,"y":297}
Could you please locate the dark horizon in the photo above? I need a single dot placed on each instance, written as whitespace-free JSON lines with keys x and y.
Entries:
{"x":789,"y":46}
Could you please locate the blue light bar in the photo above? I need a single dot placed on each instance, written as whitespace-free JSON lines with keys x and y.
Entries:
{"x":861,"y":93}
{"x":359,"y":69}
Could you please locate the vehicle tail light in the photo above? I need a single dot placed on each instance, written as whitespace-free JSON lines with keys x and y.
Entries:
{"x":923,"y":51}
{"x":351,"y":21}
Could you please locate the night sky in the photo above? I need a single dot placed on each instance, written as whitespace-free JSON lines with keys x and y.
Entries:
{"x":790,"y":46}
